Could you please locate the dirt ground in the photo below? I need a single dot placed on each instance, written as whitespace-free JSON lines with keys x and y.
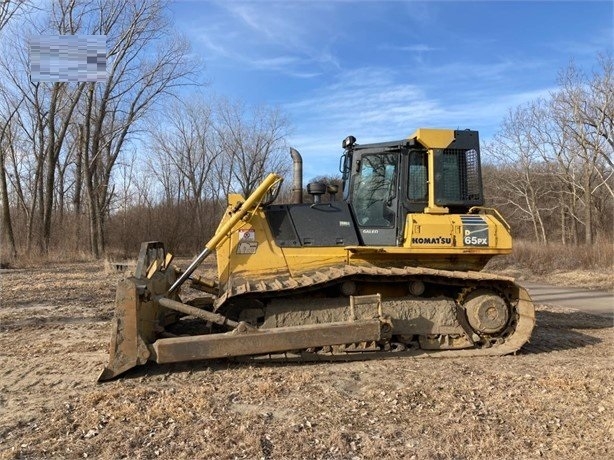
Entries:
{"x":554,"y":399}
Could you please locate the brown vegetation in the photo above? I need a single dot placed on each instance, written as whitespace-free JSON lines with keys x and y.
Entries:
{"x":589,"y":266}
{"x":76,"y":174}
{"x":552,"y":400}
{"x":550,"y":169}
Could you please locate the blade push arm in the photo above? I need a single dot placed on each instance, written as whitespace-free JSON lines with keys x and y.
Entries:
{"x":224,"y":232}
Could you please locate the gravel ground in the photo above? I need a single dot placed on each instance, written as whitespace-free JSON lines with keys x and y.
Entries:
{"x":554,"y":399}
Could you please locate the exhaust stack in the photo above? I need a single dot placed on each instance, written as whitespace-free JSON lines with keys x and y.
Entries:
{"x":297,"y":180}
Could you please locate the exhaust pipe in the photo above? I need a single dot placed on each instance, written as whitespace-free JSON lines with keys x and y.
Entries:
{"x":297,"y":180}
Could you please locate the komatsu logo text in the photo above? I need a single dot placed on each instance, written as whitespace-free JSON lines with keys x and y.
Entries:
{"x":434,"y":240}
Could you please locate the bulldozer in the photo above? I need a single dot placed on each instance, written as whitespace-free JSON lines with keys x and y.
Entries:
{"x":393,"y":268}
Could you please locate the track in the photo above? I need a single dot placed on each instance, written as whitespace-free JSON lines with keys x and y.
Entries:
{"x":311,"y":281}
{"x":454,"y":283}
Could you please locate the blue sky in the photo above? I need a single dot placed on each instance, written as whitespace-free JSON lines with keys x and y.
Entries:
{"x":378,"y":70}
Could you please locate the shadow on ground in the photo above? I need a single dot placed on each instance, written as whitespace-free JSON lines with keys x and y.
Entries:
{"x":557,"y":331}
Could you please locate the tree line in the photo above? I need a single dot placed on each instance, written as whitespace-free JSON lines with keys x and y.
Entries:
{"x":550,"y":167}
{"x":67,"y":149}
{"x":99,"y":167}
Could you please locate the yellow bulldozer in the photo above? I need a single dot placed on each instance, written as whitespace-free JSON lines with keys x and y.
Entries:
{"x":391,"y":269}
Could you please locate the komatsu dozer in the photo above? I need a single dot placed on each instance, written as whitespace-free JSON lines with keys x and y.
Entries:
{"x":391,"y":269}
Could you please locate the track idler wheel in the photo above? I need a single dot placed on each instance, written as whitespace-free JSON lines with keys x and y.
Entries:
{"x":487,"y":313}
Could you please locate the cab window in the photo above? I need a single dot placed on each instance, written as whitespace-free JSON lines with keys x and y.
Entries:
{"x":417,"y":184}
{"x":375,"y":190}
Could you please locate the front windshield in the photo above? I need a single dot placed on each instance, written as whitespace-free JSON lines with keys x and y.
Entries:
{"x":374,"y":189}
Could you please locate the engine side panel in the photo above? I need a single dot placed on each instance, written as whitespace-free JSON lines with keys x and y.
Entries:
{"x":308,"y":225}
{"x":290,"y":240}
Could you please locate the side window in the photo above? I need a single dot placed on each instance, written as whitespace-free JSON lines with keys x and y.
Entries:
{"x":374,"y":190}
{"x":417,"y":185}
{"x":450,"y":177}
{"x":458,"y":180}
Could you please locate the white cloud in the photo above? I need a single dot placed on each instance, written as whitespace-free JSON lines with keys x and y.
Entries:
{"x":379,"y":70}
{"x":267,"y":36}
{"x":416,"y":48}
{"x":375,"y":105}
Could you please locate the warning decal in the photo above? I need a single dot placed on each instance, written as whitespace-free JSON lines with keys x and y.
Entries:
{"x":247,"y":241}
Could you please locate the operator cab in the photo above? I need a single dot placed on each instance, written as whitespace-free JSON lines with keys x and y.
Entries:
{"x":384,"y":182}
{"x":432,"y":172}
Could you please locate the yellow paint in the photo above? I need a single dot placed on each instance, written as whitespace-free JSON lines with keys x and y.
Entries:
{"x":440,"y":234}
{"x":241,"y":210}
{"x":269,"y":261}
{"x":434,"y":138}
{"x":168,"y":259}
{"x":432,"y":239}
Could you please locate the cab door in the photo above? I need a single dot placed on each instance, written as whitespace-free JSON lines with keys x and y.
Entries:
{"x":375,"y":197}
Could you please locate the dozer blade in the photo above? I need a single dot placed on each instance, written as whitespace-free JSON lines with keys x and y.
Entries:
{"x":244,"y":341}
{"x":128,"y":349}
{"x":139,"y":315}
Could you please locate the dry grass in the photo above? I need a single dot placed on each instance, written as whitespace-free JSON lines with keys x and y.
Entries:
{"x":35,"y":259}
{"x":552,"y":400}
{"x":461,"y":410}
{"x":590,"y":267}
{"x":542,"y":259}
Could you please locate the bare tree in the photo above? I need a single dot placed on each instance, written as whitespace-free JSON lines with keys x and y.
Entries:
{"x":48,"y":109}
{"x":81,"y":129}
{"x":253,"y":143}
{"x":583,"y":109}
{"x":522,"y":186}
{"x":555,"y":157}
{"x":138,"y":75}
{"x":7,"y":11}
{"x":10,"y":9}
{"x":7,"y":126}
{"x":184,"y":156}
